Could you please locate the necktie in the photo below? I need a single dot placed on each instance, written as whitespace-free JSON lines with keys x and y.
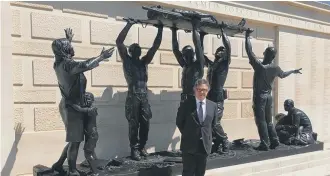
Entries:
{"x":200,"y":112}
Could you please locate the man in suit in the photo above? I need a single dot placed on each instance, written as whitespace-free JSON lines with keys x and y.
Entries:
{"x":197,"y":117}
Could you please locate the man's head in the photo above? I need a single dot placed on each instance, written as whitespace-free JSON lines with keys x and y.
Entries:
{"x":188,"y":54}
{"x":288,"y":104}
{"x":269,"y":54}
{"x":62,"y":48}
{"x":220,"y":53}
{"x":134,"y":50}
{"x":89,"y":99}
{"x":201,"y":89}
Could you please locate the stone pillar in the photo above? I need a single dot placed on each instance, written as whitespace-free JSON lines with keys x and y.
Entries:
{"x":6,"y":88}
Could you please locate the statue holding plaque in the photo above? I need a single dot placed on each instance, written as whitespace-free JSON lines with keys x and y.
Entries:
{"x":295,"y":128}
{"x":72,"y":83}
{"x":137,"y":108}
{"x":265,"y":73}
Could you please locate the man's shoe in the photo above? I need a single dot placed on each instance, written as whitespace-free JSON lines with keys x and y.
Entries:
{"x":58,"y":168}
{"x":225,"y":147}
{"x":261,"y":148}
{"x":143,"y":152}
{"x":135,"y":155}
{"x":74,"y":173}
{"x":274,"y":144}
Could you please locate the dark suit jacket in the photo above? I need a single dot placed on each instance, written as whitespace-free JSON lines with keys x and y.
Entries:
{"x":192,"y":130}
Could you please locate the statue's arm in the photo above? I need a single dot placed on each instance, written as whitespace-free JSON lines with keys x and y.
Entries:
{"x":283,"y":74}
{"x":296,"y":122}
{"x":208,"y":62}
{"x":255,"y":63}
{"x":79,"y":109}
{"x":120,"y":42}
{"x":175,"y":47}
{"x":152,"y":51}
{"x":198,"y":47}
{"x":226,"y":43}
{"x":180,"y":117}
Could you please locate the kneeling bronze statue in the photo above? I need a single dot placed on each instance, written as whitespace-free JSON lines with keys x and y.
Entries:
{"x":295,"y":128}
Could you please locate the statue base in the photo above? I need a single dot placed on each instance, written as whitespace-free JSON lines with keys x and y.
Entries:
{"x":168,"y":163}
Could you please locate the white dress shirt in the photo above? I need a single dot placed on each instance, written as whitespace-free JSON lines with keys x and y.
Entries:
{"x":203,"y":106}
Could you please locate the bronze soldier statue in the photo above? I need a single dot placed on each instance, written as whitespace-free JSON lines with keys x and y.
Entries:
{"x":216,"y":75}
{"x":265,"y":73}
{"x":137,"y":108}
{"x":193,"y":67}
{"x":295,"y":128}
{"x":72,"y":83}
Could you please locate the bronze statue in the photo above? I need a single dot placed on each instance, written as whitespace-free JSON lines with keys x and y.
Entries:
{"x":137,"y":108}
{"x":216,"y":75}
{"x":193,"y":68}
{"x":295,"y":128}
{"x":72,"y":83}
{"x":265,"y":73}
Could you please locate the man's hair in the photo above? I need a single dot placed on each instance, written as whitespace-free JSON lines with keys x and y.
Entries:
{"x":200,"y":82}
{"x":271,"y":49}
{"x":289,"y":102}
{"x":132,"y":47}
{"x":89,"y":95}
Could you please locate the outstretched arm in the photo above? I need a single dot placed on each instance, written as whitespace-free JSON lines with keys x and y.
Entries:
{"x":255,"y":63}
{"x":175,"y":48}
{"x":80,"y":109}
{"x":283,"y":74}
{"x":121,"y":38}
{"x":198,"y":47}
{"x":152,"y":51}
{"x":74,"y":67}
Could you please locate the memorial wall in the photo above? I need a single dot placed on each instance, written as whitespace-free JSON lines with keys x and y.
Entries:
{"x":301,"y":42}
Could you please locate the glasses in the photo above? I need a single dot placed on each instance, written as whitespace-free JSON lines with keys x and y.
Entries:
{"x":202,"y":90}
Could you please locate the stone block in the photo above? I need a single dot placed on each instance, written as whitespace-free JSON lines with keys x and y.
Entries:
{"x":47,"y":119}
{"x":168,"y":58}
{"x":19,"y":116}
{"x":16,"y":22}
{"x":234,"y":42}
{"x":17,"y":72}
{"x":22,"y":96}
{"x":240,"y":64}
{"x":48,"y":26}
{"x":239,"y":95}
{"x":147,"y":36}
{"x":113,"y":75}
{"x":107,"y":32}
{"x":265,"y":32}
{"x":230,"y":110}
{"x":247,"y":79}
{"x":43,"y":73}
{"x":232,"y":79}
{"x":246,"y":110}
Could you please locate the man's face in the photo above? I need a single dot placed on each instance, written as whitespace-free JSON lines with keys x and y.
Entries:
{"x":201,"y":91}
{"x":287,"y":107}
{"x":89,"y":100}
{"x":220,"y":53}
{"x":188,"y":54}
{"x":135,"y":51}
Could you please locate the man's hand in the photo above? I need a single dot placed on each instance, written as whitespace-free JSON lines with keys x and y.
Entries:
{"x":92,"y":111}
{"x":248,"y":32}
{"x":68,"y":34}
{"x":297,"y":71}
{"x":105,"y":54}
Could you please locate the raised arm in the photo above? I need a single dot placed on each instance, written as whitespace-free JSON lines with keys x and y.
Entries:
{"x":283,"y":74}
{"x":255,"y":63}
{"x":74,"y":67}
{"x":198,"y":47}
{"x":175,"y":47}
{"x":226,"y":42}
{"x":152,"y":51}
{"x":121,"y":38}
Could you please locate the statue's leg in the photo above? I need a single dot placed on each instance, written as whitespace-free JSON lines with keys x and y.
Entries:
{"x":72,"y":158}
{"x":274,"y":142}
{"x":58,"y":166}
{"x":259,"y":104}
{"x":144,"y":120}
{"x":90,"y":144}
{"x":223,"y":136}
{"x":132,"y":113}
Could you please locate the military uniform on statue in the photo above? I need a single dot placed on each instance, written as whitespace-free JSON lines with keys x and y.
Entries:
{"x":137,"y":107}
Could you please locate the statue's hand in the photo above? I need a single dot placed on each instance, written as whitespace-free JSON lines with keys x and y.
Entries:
{"x":68,"y":34}
{"x":105,"y":54}
{"x":202,"y":33}
{"x":174,"y":29}
{"x":159,"y":25}
{"x":130,"y":20}
{"x":92,"y":111}
{"x":297,"y":71}
{"x":248,"y":32}
{"x":195,"y":22}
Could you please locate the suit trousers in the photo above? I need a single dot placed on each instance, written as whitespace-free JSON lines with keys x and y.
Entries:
{"x":194,"y":164}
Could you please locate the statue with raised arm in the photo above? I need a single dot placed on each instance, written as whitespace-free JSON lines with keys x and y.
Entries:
{"x":137,"y":108}
{"x":265,"y":73}
{"x":72,"y":84}
{"x":295,"y":128}
{"x":193,"y":67}
{"x":216,"y":75}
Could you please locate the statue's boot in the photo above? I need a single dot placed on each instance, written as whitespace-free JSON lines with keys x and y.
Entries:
{"x":225,"y":146}
{"x":143,"y":152}
{"x":74,"y":173}
{"x":274,"y":144}
{"x":58,"y":168}
{"x":90,"y":157}
{"x":135,"y":155}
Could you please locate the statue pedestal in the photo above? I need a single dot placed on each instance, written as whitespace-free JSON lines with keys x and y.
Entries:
{"x":169,"y":163}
